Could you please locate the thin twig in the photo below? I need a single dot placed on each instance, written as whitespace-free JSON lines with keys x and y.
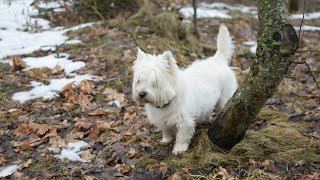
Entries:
{"x":304,"y":8}
{"x":309,"y":71}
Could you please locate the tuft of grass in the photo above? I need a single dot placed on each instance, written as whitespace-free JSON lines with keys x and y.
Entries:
{"x":280,"y":141}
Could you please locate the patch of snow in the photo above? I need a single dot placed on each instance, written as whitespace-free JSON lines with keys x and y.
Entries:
{"x":50,"y":91}
{"x":253,"y":46}
{"x":12,"y":110}
{"x":7,"y":171}
{"x":308,"y":28}
{"x":72,"y":151}
{"x":307,"y":16}
{"x":74,"y":41}
{"x":15,"y":17}
{"x":202,"y":12}
{"x":216,"y":10}
{"x":115,"y":103}
{"x":52,"y":61}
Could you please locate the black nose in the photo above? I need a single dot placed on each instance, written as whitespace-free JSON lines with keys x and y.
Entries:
{"x":142,"y":94}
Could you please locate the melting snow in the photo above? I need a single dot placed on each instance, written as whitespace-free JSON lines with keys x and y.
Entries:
{"x":216,"y":10}
{"x":50,"y":91}
{"x":253,"y":46}
{"x":307,"y":16}
{"x":7,"y":171}
{"x":72,"y":151}
{"x":15,"y":17}
{"x":308,"y":28}
{"x":22,"y":33}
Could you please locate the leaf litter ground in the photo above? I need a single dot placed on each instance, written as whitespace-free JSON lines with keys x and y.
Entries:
{"x":113,"y":135}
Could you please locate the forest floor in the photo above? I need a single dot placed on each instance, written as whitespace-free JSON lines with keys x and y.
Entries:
{"x":114,"y":137}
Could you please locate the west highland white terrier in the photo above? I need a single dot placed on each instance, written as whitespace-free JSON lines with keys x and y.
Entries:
{"x":175,"y":99}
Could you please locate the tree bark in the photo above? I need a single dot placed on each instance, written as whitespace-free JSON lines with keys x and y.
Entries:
{"x":277,"y":42}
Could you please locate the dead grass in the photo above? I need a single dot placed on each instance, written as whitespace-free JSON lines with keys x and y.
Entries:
{"x":279,"y":141}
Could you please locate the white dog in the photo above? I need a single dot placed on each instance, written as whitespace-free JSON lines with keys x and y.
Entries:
{"x":175,"y":99}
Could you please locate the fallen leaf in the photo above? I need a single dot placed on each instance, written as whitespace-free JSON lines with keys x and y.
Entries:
{"x":57,"y":70}
{"x":81,"y":124}
{"x":99,"y":112}
{"x":123,"y":168}
{"x":2,"y":159}
{"x":225,"y":176}
{"x":185,"y":169}
{"x":86,"y":155}
{"x":159,"y":168}
{"x":57,"y":142}
{"x":18,"y":63}
{"x":86,"y":87}
{"x":114,"y":95}
{"x":27,"y":164}
{"x":90,"y":177}
{"x":25,"y":146}
{"x":175,"y":176}
{"x":133,"y":153}
{"x":22,"y":129}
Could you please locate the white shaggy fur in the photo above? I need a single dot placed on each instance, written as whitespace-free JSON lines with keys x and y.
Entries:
{"x":175,"y":100}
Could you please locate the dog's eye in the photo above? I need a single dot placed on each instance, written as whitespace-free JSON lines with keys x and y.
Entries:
{"x":138,"y":81}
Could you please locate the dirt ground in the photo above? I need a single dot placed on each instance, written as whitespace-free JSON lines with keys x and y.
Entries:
{"x":283,"y":142}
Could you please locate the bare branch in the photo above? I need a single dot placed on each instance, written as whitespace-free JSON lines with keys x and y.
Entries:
{"x":309,"y":71}
{"x":301,"y":35}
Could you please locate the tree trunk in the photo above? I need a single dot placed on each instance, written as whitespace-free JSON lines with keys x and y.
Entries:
{"x":277,"y":42}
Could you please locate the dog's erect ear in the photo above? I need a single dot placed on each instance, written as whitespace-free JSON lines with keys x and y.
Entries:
{"x":167,"y":56}
{"x":140,"y":54}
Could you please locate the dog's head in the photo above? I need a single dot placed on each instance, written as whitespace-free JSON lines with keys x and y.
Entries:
{"x":154,"y":78}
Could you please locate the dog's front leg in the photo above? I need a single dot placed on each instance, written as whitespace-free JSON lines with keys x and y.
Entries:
{"x":183,"y":139}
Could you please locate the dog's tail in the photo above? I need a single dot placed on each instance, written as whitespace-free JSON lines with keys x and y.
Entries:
{"x":225,"y":46}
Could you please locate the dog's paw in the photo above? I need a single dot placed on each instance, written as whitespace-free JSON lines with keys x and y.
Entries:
{"x":165,"y":141}
{"x":180,"y":149}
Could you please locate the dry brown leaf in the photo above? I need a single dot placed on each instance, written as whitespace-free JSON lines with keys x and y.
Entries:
{"x":17,"y":175}
{"x":22,"y":129}
{"x":123,"y":168}
{"x":2,"y":159}
{"x":94,"y":131}
{"x":18,"y":63}
{"x":185,"y":169}
{"x":133,"y":153}
{"x":81,"y":124}
{"x":42,"y":129}
{"x":57,"y":142}
{"x":175,"y":176}
{"x":160,"y":168}
{"x":86,"y":87}
{"x":57,"y":70}
{"x":51,"y":133}
{"x":99,"y":112}
{"x":225,"y":176}
{"x":269,"y":164}
{"x":27,"y":164}
{"x":90,"y":178}
{"x":114,"y":95}
{"x":24,"y":146}
{"x":87,"y":155}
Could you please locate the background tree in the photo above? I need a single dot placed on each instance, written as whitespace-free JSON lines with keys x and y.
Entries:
{"x":277,"y":42}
